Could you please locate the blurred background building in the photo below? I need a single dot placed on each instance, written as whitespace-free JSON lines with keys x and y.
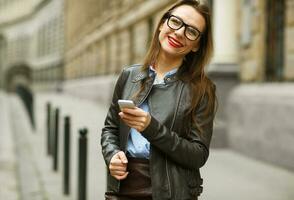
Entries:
{"x":31,"y":42}
{"x":79,"y":47}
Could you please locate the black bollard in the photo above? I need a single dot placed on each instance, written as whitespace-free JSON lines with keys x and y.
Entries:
{"x":82,"y":176}
{"x":49,"y":151}
{"x":66,"y":156}
{"x":55,"y":151}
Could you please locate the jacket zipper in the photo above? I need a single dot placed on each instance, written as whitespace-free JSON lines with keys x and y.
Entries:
{"x":147,"y":94}
{"x":171,"y":127}
{"x":168,"y":178}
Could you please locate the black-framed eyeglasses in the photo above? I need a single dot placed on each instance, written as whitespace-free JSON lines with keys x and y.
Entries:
{"x":176,"y":23}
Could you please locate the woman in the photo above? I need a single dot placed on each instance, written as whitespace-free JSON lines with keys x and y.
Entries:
{"x":154,"y":151}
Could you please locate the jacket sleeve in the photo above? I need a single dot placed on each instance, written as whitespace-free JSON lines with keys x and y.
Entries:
{"x":110,"y":131}
{"x":190,"y":152}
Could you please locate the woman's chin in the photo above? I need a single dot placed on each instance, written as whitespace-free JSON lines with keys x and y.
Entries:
{"x":172,"y":52}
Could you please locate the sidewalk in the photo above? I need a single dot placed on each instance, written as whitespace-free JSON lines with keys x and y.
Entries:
{"x":231,"y":176}
{"x":8,"y":167}
{"x":36,"y":167}
{"x":31,"y":160}
{"x":227,"y":175}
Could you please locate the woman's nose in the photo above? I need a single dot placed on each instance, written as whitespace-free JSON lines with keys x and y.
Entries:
{"x":180,"y":31}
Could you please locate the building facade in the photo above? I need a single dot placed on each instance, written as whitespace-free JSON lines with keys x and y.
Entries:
{"x":31,"y":42}
{"x":266,"y":47}
{"x":260,"y":109}
{"x":112,"y":34}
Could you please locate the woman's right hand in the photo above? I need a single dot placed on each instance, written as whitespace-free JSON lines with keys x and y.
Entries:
{"x":118,"y":166}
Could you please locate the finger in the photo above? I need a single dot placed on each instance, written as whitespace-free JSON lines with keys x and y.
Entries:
{"x":130,"y":122}
{"x":118,"y":168}
{"x":121,"y":164}
{"x":122,"y":156}
{"x":116,"y":162}
{"x":135,"y":112}
{"x":117,"y":173}
{"x":121,"y":177}
{"x":127,"y":116}
{"x":134,"y":125}
{"x":132,"y":118}
{"x":129,"y":119}
{"x":142,"y":118}
{"x":115,"y":158}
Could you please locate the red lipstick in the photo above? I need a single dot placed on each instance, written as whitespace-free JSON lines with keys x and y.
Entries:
{"x":174,"y":42}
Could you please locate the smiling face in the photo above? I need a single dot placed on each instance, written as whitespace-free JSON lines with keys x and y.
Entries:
{"x":174,"y":43}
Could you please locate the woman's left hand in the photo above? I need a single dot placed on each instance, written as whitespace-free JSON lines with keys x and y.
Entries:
{"x":135,"y":118}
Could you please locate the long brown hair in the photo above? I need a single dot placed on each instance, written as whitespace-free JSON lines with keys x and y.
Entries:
{"x":194,"y":62}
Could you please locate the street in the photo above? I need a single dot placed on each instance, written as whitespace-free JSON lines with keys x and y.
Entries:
{"x":227,"y":174}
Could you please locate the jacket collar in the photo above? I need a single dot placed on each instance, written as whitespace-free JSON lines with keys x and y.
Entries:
{"x":144,"y":74}
{"x":140,"y":76}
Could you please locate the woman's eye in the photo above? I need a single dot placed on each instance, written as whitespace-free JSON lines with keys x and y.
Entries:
{"x":192,"y":31}
{"x":176,"y":22}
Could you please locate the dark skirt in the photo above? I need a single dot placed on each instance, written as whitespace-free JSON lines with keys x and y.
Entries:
{"x":137,"y":185}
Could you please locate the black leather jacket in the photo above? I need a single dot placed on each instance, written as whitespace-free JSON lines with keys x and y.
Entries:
{"x":177,"y":150}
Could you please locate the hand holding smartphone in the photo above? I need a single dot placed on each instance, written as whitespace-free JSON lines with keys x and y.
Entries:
{"x":126,"y":104}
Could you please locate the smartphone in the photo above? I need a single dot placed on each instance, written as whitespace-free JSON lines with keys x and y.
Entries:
{"x":126,"y":104}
